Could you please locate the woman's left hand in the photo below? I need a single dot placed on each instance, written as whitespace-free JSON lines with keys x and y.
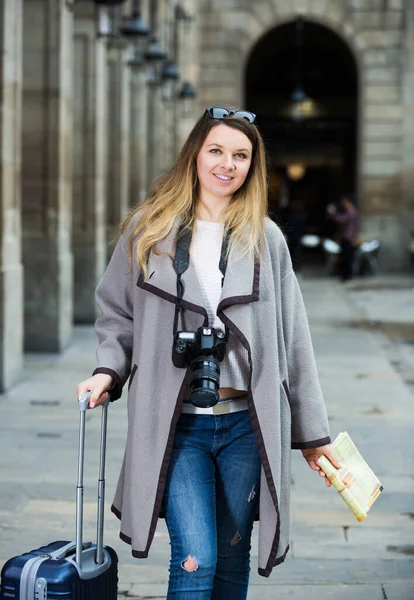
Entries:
{"x":311,"y":455}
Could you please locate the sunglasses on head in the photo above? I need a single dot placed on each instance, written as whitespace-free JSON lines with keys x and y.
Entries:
{"x":219,"y":112}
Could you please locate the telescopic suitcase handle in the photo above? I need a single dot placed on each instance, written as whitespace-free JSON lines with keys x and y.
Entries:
{"x":83,"y":407}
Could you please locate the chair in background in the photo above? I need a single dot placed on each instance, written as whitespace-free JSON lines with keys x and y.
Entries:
{"x":367,"y":253}
{"x":332,"y":251}
{"x":310,"y":241}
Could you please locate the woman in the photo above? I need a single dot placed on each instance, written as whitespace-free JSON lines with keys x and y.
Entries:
{"x":209,"y":470}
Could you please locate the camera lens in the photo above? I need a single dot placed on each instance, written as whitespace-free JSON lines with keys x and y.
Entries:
{"x":204,"y":381}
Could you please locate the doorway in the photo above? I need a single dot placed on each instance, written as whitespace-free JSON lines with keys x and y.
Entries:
{"x":301,"y":80}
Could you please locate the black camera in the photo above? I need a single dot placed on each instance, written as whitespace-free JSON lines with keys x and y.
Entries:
{"x":201,"y":351}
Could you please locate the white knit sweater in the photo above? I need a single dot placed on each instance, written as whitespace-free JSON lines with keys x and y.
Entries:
{"x":205,"y":253}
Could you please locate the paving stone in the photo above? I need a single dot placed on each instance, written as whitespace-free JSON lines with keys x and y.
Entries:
{"x":315,"y":571}
{"x":332,"y":555}
{"x":399,"y":591}
{"x":148,"y":591}
{"x":315,"y":592}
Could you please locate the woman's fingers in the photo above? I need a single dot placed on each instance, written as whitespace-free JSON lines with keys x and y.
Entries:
{"x":97,"y":398}
{"x":329,"y":453}
{"x":98,"y":386}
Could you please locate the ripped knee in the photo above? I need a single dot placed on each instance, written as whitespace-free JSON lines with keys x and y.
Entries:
{"x":236,"y":538}
{"x":189,"y":564}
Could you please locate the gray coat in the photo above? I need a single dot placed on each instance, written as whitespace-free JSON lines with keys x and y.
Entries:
{"x":262,"y":305}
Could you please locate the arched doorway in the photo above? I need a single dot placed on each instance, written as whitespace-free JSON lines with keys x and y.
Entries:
{"x":301,"y":79}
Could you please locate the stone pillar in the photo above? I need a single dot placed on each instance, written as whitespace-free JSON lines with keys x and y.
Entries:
{"x":139,"y":125}
{"x":188,"y":56}
{"x":157,"y":135}
{"x":408,"y":140}
{"x":168,"y":88}
{"x":47,"y":173}
{"x":89,"y":162}
{"x":167,"y":118}
{"x":154,"y":132}
{"x":139,"y":136}
{"x":11,"y":273}
{"x":118,"y":165}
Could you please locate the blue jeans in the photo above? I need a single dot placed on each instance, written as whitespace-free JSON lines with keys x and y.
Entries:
{"x":210,"y":503}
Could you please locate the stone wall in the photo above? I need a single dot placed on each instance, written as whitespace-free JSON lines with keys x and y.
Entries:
{"x":373,"y":30}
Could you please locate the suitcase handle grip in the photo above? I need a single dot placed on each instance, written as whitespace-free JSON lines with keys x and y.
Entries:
{"x":83,"y":403}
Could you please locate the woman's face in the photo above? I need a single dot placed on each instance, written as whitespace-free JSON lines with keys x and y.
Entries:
{"x":223,"y":162}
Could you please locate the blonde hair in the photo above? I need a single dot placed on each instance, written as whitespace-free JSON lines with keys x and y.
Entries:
{"x":174,"y":195}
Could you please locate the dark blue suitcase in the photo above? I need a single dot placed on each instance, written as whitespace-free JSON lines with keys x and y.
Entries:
{"x":68,"y":570}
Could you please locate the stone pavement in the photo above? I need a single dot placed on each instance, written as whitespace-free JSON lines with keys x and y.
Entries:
{"x":363,"y":336}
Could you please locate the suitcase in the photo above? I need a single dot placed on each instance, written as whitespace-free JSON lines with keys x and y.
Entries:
{"x":66,"y":570}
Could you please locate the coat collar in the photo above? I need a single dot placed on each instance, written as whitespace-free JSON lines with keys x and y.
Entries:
{"x":241,"y":283}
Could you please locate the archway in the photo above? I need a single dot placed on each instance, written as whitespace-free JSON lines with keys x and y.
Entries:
{"x":301,"y":79}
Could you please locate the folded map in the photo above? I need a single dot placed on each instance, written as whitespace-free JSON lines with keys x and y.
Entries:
{"x":357,"y":484}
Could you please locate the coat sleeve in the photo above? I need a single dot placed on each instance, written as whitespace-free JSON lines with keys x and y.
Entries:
{"x":309,"y":419}
{"x":114,"y":326}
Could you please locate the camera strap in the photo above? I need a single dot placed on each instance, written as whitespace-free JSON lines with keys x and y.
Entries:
{"x":182,"y":260}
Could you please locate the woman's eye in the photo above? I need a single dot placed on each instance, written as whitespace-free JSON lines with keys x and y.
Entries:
{"x":215,"y":150}
{"x":241,"y":155}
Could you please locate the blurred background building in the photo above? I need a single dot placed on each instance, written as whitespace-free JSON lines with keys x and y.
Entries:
{"x":97,"y":97}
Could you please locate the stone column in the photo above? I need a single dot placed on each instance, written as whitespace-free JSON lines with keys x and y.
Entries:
{"x":89,"y":162}
{"x":11,"y":273}
{"x":188,"y":57}
{"x":168,"y":88}
{"x":156,"y":132}
{"x":139,"y":136}
{"x":118,"y":165}
{"x":408,"y":140}
{"x":154,"y":151}
{"x":169,"y":123}
{"x":47,"y":173}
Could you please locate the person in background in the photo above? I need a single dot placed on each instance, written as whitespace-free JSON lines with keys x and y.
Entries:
{"x":295,"y":229}
{"x":411,"y":246}
{"x":346,"y":216}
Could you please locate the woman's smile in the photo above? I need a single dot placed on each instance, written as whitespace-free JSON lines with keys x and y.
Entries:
{"x":224,"y":178}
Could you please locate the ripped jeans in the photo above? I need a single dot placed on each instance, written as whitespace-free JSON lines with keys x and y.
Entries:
{"x":210,"y":503}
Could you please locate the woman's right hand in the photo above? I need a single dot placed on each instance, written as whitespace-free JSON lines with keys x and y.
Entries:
{"x":99,"y":385}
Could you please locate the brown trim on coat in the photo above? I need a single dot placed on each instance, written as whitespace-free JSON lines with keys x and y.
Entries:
{"x":304,"y":445}
{"x":313,"y":444}
{"x":171,"y":298}
{"x":253,"y":297}
{"x":116,"y":390}
{"x":127,"y":539}
{"x":266,"y":572}
{"x":272,"y":560}
{"x":135,"y":553}
{"x":162,"y":477}
{"x":116,"y":512}
{"x":166,"y":463}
